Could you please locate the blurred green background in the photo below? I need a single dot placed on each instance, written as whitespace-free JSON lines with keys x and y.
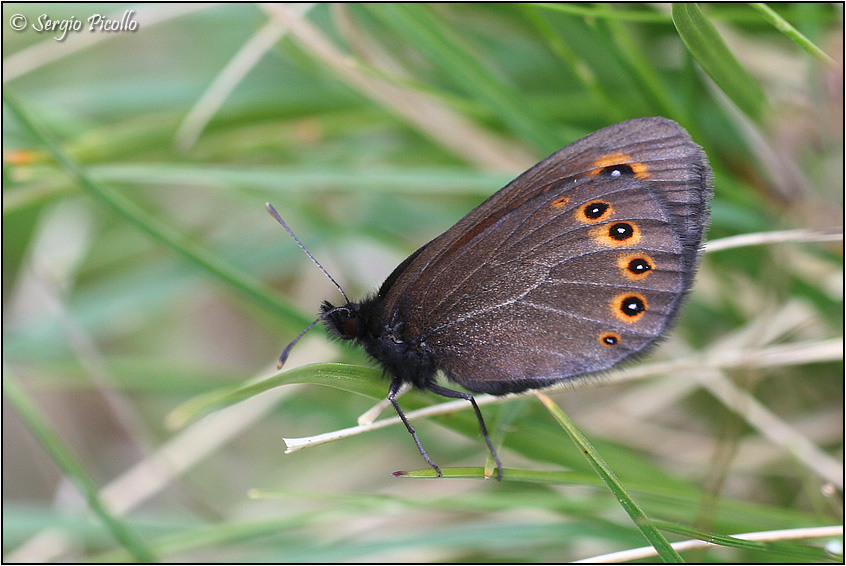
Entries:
{"x":152,"y":275}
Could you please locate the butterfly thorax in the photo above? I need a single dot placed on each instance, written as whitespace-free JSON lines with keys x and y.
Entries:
{"x":410,"y":361}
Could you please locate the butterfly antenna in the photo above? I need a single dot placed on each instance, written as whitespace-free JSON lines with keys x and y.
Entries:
{"x":278,"y":218}
{"x":284,"y":356}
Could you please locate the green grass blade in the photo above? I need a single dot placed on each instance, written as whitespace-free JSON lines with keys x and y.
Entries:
{"x":579,"y":67}
{"x":158,"y":230}
{"x":644,"y":523}
{"x":604,"y":11}
{"x":711,"y":52}
{"x":793,"y":551}
{"x":356,"y":379}
{"x":641,"y":67}
{"x":72,"y":468}
{"x":791,"y":32}
{"x":420,"y":27}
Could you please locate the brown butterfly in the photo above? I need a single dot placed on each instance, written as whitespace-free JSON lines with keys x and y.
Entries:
{"x":578,"y":264}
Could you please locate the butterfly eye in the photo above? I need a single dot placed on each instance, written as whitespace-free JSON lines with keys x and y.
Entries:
{"x":350,"y":328}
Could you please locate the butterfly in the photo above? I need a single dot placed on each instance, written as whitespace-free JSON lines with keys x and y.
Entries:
{"x":578,"y":264}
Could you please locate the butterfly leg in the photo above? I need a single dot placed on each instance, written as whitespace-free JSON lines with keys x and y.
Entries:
{"x":443,"y":391}
{"x":392,"y":397}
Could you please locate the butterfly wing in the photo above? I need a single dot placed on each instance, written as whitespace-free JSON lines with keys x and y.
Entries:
{"x":576,"y":265}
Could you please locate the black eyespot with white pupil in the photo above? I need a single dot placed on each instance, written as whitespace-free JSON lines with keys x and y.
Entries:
{"x":621,"y":170}
{"x":639,"y":266}
{"x":595,"y":210}
{"x":621,"y":231}
{"x":632,"y":306}
{"x":610,"y":339}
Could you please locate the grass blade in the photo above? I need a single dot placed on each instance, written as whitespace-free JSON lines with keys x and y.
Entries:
{"x":711,"y":52}
{"x":644,"y":523}
{"x":791,"y":32}
{"x":158,"y":230}
{"x":420,"y":26}
{"x":61,"y":455}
